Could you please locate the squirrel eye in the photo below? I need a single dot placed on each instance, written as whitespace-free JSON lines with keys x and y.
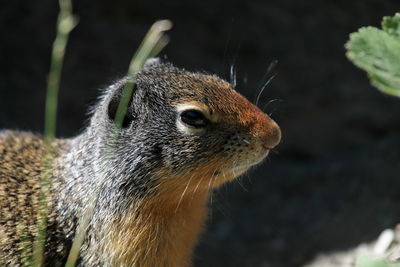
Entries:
{"x":194,"y":118}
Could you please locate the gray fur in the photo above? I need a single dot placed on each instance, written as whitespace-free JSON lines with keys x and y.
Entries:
{"x":120,"y":168}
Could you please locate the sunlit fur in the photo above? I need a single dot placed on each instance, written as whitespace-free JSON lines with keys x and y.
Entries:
{"x":151,"y":180}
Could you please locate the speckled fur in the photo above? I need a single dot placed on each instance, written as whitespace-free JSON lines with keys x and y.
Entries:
{"x":21,"y":161}
{"x":154,"y":179}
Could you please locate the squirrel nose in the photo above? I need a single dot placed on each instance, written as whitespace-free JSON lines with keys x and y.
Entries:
{"x":272,"y":135}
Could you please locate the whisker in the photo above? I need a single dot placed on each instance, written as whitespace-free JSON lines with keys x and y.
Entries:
{"x":270,"y":102}
{"x":209,"y":187}
{"x":263,"y":88}
{"x":223,"y":174}
{"x":209,"y":182}
{"x":249,"y":179}
{"x":241,"y":185}
{"x":270,"y":114}
{"x":197,"y":186}
{"x":263,"y":84}
{"x":233,"y":74}
{"x":184,"y":191}
{"x":244,"y":140}
{"x":236,"y":164}
{"x":272,"y":66}
{"x":214,"y":178}
{"x":274,"y":151}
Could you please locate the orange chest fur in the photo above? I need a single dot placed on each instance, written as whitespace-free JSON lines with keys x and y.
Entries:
{"x":157,"y":233}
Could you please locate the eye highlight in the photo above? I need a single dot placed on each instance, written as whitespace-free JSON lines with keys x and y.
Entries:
{"x":194,"y":118}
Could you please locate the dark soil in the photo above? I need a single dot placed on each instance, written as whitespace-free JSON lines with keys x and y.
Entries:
{"x":334,"y":181}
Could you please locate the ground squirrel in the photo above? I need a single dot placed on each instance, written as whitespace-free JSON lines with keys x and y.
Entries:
{"x":183,"y":135}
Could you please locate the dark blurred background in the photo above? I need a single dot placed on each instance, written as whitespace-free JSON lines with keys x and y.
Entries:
{"x":334,"y":181}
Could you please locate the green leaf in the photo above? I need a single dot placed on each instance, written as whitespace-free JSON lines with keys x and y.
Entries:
{"x":378,"y":53}
{"x":391,"y":25}
{"x":371,"y":261}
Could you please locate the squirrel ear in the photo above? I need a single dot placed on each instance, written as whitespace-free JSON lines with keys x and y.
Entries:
{"x":151,"y":62}
{"x":113,"y":107}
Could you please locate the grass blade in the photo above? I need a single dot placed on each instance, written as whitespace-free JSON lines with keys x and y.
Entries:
{"x":65,"y":23}
{"x":154,"y":41}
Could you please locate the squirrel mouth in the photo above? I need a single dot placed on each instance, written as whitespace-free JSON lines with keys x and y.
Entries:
{"x":250,"y":162}
{"x":239,"y":167}
{"x":236,"y":167}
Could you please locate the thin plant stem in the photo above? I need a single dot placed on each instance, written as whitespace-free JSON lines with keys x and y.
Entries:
{"x":152,"y":44}
{"x":65,"y":23}
{"x":154,"y":41}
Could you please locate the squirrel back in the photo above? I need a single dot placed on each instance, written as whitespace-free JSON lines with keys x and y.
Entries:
{"x":183,"y":135}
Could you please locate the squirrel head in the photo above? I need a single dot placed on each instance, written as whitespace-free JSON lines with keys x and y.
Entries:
{"x":181,"y":124}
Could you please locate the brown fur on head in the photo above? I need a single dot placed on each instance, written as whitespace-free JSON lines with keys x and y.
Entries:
{"x":189,"y":124}
{"x":184,"y":134}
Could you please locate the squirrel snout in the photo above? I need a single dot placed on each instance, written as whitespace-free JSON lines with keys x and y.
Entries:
{"x":272,"y":135}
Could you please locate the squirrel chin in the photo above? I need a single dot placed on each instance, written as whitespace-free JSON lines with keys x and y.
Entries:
{"x":257,"y":159}
{"x":239,"y":169}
